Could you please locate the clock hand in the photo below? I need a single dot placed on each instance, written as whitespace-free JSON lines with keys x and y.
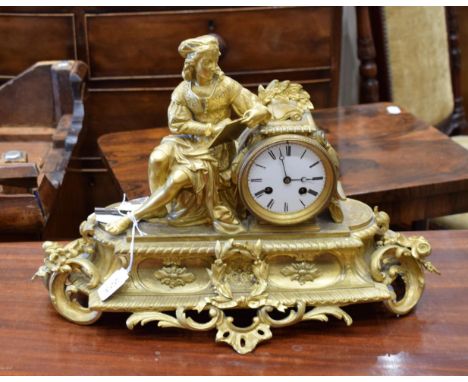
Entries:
{"x":304,"y":179}
{"x":266,"y":190}
{"x":286,"y":178}
{"x":281,"y":158}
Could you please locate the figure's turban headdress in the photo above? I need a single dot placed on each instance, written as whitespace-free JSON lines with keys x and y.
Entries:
{"x":192,"y":46}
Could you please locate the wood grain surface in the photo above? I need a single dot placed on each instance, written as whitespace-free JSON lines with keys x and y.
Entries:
{"x":117,"y":52}
{"x":396,"y":161}
{"x":28,"y":38}
{"x":40,"y":110}
{"x":431,"y":340}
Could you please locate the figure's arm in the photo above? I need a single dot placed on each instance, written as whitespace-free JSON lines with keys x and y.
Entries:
{"x":180,"y":118}
{"x":248,"y":105}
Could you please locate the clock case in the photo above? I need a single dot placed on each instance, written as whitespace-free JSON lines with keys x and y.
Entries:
{"x":192,"y":277}
{"x":264,"y":216}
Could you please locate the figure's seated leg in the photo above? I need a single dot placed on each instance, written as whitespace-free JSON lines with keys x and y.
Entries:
{"x":165,"y":194}
{"x":158,"y":165}
{"x":158,"y":171}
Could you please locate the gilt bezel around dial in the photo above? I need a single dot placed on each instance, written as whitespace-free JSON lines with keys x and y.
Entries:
{"x":319,"y":203}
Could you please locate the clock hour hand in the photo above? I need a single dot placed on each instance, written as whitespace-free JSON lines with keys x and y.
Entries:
{"x":266,"y":190}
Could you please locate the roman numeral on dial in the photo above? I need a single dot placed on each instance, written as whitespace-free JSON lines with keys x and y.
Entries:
{"x":314,"y":164}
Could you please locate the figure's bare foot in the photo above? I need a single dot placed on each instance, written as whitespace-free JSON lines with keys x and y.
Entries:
{"x":118,"y":226}
{"x":160,"y":212}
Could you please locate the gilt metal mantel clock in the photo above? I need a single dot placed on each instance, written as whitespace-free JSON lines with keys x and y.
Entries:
{"x":246,"y":211}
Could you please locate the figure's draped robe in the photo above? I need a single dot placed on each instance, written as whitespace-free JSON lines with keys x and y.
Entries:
{"x":212,"y":196}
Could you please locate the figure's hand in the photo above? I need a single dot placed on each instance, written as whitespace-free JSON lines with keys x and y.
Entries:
{"x":221,"y":125}
{"x":213,"y":130}
{"x":209,"y":130}
{"x":258,"y":115}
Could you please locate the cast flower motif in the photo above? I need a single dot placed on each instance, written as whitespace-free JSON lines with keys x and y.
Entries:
{"x":174,"y":276}
{"x":302,"y":272}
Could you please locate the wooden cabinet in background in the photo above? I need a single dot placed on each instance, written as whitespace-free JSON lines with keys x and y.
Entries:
{"x":133,"y":61}
{"x":133,"y":65}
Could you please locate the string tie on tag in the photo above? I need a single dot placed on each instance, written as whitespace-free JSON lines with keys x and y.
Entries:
{"x":135,"y":227}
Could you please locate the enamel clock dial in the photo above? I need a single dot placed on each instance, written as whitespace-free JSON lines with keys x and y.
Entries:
{"x":286,"y":179}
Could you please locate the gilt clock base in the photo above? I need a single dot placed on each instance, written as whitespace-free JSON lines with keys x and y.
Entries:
{"x":308,"y":272}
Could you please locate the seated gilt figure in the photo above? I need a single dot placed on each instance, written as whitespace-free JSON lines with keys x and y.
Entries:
{"x":189,"y":181}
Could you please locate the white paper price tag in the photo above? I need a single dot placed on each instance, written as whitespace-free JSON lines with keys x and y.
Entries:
{"x":393,"y":109}
{"x":114,"y":282}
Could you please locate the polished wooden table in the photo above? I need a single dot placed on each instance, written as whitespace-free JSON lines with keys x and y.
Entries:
{"x":431,"y":340}
{"x":396,"y":161}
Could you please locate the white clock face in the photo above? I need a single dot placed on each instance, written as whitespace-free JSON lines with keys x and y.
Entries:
{"x":286,"y":178}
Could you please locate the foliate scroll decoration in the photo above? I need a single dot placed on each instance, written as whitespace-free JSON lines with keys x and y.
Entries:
{"x":242,"y":339}
{"x":250,"y":253}
{"x":382,"y":220}
{"x":285,"y":100}
{"x":69,"y":274}
{"x":319,"y":313}
{"x":87,"y":229}
{"x":179,"y":321}
{"x":399,"y":262}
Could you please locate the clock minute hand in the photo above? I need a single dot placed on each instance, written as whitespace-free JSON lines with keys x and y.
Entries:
{"x":304,"y":179}
{"x":281,"y":158}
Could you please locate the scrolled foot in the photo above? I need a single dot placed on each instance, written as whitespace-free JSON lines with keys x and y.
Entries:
{"x":399,"y":262}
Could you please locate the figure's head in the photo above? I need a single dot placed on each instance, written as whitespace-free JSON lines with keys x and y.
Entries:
{"x":201,"y":57}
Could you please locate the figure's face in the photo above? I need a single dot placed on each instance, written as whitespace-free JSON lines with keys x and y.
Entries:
{"x":206,"y":66}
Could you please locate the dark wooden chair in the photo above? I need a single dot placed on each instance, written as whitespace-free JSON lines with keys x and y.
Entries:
{"x":415,"y":63}
{"x":41,"y":116}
